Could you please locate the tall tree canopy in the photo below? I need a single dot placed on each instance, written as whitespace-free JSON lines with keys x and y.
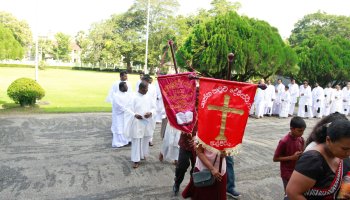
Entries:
{"x":122,"y":36}
{"x":10,"y":48}
{"x":62,"y":48}
{"x":258,"y":47}
{"x":19,"y":28}
{"x":321,"y":42}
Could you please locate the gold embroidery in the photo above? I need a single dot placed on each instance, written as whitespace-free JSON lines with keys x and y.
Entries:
{"x":224,"y":109}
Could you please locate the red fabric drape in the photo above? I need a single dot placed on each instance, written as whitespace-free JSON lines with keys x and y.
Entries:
{"x":223,"y":111}
{"x":179,"y":98}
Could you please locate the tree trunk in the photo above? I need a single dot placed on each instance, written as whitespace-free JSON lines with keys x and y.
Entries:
{"x":128,"y":67}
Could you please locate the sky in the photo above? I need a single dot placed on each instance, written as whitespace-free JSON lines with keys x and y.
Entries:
{"x":71,"y":16}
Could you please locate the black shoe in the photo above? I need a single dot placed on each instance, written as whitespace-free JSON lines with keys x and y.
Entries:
{"x":175,"y":189}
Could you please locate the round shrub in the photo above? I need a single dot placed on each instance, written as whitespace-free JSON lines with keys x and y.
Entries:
{"x":25,"y":91}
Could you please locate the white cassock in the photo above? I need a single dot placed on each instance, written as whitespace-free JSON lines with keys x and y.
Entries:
{"x":114,"y":89}
{"x":270,"y":96}
{"x":259,"y":101}
{"x":294,"y":94}
{"x":152,"y":93}
{"x":328,"y":92}
{"x":170,"y":146}
{"x":305,"y":102}
{"x":119,"y":105}
{"x":285,"y":99}
{"x":140,"y":130}
{"x":277,"y":103}
{"x":346,"y":100}
{"x":337,"y":101}
{"x":318,"y":101}
{"x":160,"y":105}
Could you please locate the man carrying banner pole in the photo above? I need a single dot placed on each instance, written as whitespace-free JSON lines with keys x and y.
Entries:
{"x":179,"y":97}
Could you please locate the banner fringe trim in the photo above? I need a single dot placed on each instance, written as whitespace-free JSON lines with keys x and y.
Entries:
{"x":229,"y":151}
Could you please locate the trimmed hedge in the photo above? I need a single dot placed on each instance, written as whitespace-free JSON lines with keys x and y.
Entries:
{"x":25,"y":91}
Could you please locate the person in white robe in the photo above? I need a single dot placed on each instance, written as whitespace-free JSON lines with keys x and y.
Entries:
{"x":346,"y":99}
{"x":277,"y":103}
{"x":170,"y":146}
{"x":141,"y":124}
{"x":328,"y":92}
{"x":160,"y":105}
{"x":116,"y":118}
{"x":119,"y":104}
{"x":153,"y":96}
{"x":115,"y":87}
{"x":259,"y":101}
{"x":294,"y":94}
{"x":139,"y":81}
{"x":161,"y":114}
{"x":270,"y":96}
{"x":285,"y":103}
{"x":337,"y":100}
{"x":305,"y":101}
{"x":318,"y":101}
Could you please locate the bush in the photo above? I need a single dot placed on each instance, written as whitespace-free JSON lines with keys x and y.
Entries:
{"x":25,"y":91}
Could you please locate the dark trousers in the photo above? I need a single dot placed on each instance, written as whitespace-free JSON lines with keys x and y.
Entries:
{"x":185,"y":159}
{"x":230,"y":174}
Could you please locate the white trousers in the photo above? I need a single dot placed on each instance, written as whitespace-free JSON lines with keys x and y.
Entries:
{"x":291,"y":108}
{"x":302,"y":113}
{"x":139,"y":148}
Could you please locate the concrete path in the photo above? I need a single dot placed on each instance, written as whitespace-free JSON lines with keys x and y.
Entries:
{"x":69,"y":156}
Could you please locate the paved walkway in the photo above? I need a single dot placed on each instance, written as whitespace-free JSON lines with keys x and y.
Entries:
{"x":69,"y":156}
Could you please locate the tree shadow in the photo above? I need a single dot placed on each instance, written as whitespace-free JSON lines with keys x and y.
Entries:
{"x":8,"y":108}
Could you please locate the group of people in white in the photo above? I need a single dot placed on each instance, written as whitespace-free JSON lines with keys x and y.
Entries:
{"x":280,"y":100}
{"x":134,"y":117}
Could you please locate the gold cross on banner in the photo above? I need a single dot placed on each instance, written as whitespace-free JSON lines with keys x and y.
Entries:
{"x":224,"y":109}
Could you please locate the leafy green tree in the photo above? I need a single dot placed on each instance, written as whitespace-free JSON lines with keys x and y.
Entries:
{"x":101,"y":45}
{"x":258,"y":47}
{"x":320,"y":23}
{"x":223,"y":6}
{"x":321,"y":42}
{"x":19,"y":28}
{"x":162,"y":17}
{"x":324,"y":60}
{"x":62,"y":48}
{"x":10,"y":48}
{"x":127,"y":30}
{"x":45,"y":47}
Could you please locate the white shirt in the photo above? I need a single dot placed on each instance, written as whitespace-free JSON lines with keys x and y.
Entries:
{"x":294,"y":92}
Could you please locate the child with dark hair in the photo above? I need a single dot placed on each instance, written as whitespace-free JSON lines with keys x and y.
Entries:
{"x":319,"y":172}
{"x":290,"y":148}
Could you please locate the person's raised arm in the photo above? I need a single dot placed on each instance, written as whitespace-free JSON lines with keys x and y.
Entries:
{"x":298,"y":184}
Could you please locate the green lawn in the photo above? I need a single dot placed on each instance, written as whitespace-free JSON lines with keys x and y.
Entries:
{"x":66,"y":90}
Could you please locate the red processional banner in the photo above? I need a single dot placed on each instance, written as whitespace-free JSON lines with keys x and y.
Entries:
{"x":179,"y":98}
{"x":223,"y":111}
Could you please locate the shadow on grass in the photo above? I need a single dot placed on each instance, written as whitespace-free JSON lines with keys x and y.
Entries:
{"x":12,"y":108}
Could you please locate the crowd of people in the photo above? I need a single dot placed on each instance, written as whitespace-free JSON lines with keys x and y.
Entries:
{"x":280,"y":100}
{"x":134,"y":116}
{"x":309,"y":170}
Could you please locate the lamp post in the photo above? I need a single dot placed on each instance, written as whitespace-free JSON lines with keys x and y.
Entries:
{"x":147,"y":30}
{"x":36,"y":58}
{"x":230,"y":58}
